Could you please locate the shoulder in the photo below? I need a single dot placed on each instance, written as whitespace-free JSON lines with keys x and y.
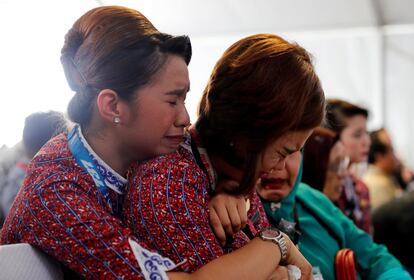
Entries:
{"x":307,"y":192}
{"x":54,"y":163}
{"x":180,"y":162}
{"x":170,"y":177}
{"x":53,"y":154}
{"x":314,"y":199}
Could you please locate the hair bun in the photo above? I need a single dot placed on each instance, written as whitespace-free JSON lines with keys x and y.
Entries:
{"x":73,"y":40}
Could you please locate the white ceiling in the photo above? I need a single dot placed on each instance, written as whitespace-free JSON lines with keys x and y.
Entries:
{"x":196,"y":17}
{"x":32,"y":32}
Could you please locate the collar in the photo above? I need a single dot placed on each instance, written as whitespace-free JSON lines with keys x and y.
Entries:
{"x":110,"y":178}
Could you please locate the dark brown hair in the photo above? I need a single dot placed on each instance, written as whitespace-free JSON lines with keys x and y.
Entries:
{"x":39,"y":128}
{"x":316,"y":157}
{"x":116,"y":48}
{"x":261,"y":88}
{"x":377,"y":147}
{"x":337,"y":111}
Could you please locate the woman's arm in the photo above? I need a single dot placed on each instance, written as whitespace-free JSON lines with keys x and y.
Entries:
{"x":256,"y":260}
{"x":167,"y":207}
{"x":240,"y":264}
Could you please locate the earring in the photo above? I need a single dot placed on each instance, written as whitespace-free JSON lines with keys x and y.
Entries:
{"x":117,"y":120}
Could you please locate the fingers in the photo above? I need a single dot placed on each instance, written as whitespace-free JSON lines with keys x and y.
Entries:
{"x":217,"y":227}
{"x":226,"y":211}
{"x":227,"y":215}
{"x":242,"y":210}
{"x":235,"y":219}
{"x":281,"y":273}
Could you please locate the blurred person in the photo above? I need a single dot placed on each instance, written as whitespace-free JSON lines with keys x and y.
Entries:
{"x":349,"y":121}
{"x":380,"y":176}
{"x":8,"y":159}
{"x":403,"y":174}
{"x":261,"y":103}
{"x":130,"y":83}
{"x":38,"y":129}
{"x":325,"y":163}
{"x":393,"y":224}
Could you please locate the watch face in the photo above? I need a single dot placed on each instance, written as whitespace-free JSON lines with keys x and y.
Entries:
{"x":270,"y":233}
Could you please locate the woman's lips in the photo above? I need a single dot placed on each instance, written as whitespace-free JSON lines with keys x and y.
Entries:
{"x":175,"y":139}
{"x":273,"y":183}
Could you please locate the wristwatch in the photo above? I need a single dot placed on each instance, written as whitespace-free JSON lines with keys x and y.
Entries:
{"x":277,"y":237}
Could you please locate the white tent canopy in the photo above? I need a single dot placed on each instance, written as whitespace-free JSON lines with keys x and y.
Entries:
{"x":363,"y":50}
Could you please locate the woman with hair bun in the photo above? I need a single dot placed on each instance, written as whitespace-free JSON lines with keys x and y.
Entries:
{"x":126,"y":76}
{"x":130,"y":82}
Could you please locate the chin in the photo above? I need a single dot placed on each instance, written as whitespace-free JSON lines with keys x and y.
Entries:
{"x":271,"y":195}
{"x":362,"y":158}
{"x":165,"y":150}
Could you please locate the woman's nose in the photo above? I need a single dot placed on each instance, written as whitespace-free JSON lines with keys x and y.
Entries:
{"x":183,"y":119}
{"x":280,"y":164}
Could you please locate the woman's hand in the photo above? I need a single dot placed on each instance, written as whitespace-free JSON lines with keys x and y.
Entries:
{"x":228,"y":214}
{"x":294,"y":257}
{"x":289,"y":272}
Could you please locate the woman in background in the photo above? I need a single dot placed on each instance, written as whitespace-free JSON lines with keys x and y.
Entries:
{"x":325,"y":163}
{"x":350,"y":123}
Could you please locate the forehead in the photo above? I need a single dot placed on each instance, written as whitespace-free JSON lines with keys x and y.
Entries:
{"x":174,"y":67}
{"x":173,"y":73}
{"x":291,"y":139}
{"x":356,"y":121}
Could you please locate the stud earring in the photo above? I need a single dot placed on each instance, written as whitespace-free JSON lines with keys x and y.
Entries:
{"x":117,"y":120}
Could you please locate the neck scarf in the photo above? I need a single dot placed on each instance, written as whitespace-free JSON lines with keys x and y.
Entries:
{"x":104,"y":176}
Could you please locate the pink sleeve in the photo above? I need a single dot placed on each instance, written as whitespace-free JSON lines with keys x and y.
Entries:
{"x":257,"y":214}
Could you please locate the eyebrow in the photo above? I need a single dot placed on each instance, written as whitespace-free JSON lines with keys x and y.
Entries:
{"x":178,"y":92}
{"x":290,"y":151}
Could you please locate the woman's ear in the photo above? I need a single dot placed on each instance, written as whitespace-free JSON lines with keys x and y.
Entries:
{"x":110,"y":106}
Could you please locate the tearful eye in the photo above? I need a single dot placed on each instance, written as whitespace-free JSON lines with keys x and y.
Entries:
{"x":278,"y":156}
